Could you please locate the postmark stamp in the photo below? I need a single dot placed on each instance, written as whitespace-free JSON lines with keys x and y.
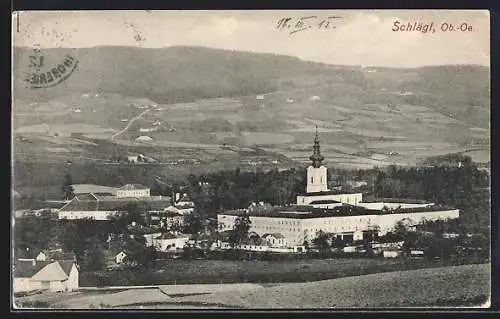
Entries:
{"x":47,"y":71}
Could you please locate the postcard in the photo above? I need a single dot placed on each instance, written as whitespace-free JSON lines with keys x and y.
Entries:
{"x":254,"y":159}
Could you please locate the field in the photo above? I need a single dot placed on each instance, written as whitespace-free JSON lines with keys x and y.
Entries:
{"x":465,"y":285}
{"x":170,"y":272}
{"x":449,"y":286}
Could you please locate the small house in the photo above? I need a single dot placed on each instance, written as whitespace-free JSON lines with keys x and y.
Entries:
{"x":170,"y":242}
{"x":275,"y":239}
{"x":416,"y":253}
{"x":54,"y":276}
{"x":350,"y":249}
{"x":390,"y":253}
{"x":120,"y":257}
{"x":144,"y":139}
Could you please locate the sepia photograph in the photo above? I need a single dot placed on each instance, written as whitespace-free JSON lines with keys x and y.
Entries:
{"x":252,"y":159}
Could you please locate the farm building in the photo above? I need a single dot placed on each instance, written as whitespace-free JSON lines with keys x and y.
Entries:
{"x":144,"y":138}
{"x":120,"y":257}
{"x":275,"y":239}
{"x":102,"y":207}
{"x":391,"y":253}
{"x":344,"y":214}
{"x":170,"y":242}
{"x":58,"y":275}
{"x":133,"y":190}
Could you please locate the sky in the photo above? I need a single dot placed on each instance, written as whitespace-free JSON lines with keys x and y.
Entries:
{"x":360,"y":37}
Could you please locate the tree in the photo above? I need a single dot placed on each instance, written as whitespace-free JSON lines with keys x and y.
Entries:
{"x":193,"y":223}
{"x":68,"y":192}
{"x":321,"y":241}
{"x":338,"y":243}
{"x":240,"y":230}
{"x":93,"y":256}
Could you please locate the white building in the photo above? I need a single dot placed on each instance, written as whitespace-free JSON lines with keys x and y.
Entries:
{"x":103,"y":207}
{"x":120,"y":257}
{"x":54,"y":276}
{"x":322,"y":210}
{"x":133,"y":190}
{"x":144,"y":138}
{"x":169,"y":242}
{"x":275,"y":240}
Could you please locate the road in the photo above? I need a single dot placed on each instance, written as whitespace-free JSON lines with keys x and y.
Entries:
{"x":130,"y":124}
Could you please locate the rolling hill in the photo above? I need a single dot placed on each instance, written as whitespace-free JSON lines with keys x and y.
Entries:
{"x":207,"y":98}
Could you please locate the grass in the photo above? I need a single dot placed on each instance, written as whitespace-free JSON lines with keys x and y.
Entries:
{"x":179,"y":272}
{"x":438,"y":287}
{"x":451,"y":286}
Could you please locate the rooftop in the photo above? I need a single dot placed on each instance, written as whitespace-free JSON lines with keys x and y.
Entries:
{"x":92,"y":188}
{"x":331,"y":192}
{"x":305,"y":212}
{"x":275,"y":235}
{"x":171,"y":236}
{"x":133,"y":187}
{"x":111,"y":203}
{"x":395,"y":200}
{"x":26,"y":269}
{"x":325,"y":201}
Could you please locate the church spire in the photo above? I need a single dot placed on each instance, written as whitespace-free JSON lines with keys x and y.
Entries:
{"x":316,"y":157}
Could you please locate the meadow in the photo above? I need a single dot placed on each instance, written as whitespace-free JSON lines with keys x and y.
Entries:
{"x":178,"y":271}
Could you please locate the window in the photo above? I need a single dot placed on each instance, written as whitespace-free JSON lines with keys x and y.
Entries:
{"x":312,"y":180}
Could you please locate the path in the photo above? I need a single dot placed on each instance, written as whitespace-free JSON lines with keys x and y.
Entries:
{"x":130,"y":123}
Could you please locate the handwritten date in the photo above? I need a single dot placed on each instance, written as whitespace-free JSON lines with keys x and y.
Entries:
{"x":306,"y":23}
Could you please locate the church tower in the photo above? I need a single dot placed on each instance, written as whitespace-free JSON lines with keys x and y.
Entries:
{"x":317,"y":180}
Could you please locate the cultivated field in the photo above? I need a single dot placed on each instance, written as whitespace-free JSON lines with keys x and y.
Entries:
{"x":448,"y":286}
{"x":465,"y":285}
{"x":169,"y":272}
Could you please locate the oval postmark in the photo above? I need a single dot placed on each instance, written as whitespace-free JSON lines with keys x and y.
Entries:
{"x":48,"y":71}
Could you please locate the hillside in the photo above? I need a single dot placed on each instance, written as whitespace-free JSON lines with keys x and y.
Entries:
{"x":169,"y":74}
{"x":206,"y":101}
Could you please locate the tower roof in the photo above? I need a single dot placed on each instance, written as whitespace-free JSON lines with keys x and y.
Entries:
{"x":316,"y":157}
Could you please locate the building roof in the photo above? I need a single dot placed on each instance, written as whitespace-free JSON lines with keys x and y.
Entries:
{"x":324,"y":201}
{"x":133,"y":187}
{"x":396,"y":200}
{"x":60,"y":256}
{"x":24,"y":254}
{"x":305,"y":212}
{"x":51,"y":272}
{"x":114,"y":204}
{"x":144,"y":138}
{"x":275,"y":235}
{"x":140,"y":229}
{"x":171,"y":236}
{"x":92,"y":188}
{"x":26,"y":269}
{"x":331,"y":192}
